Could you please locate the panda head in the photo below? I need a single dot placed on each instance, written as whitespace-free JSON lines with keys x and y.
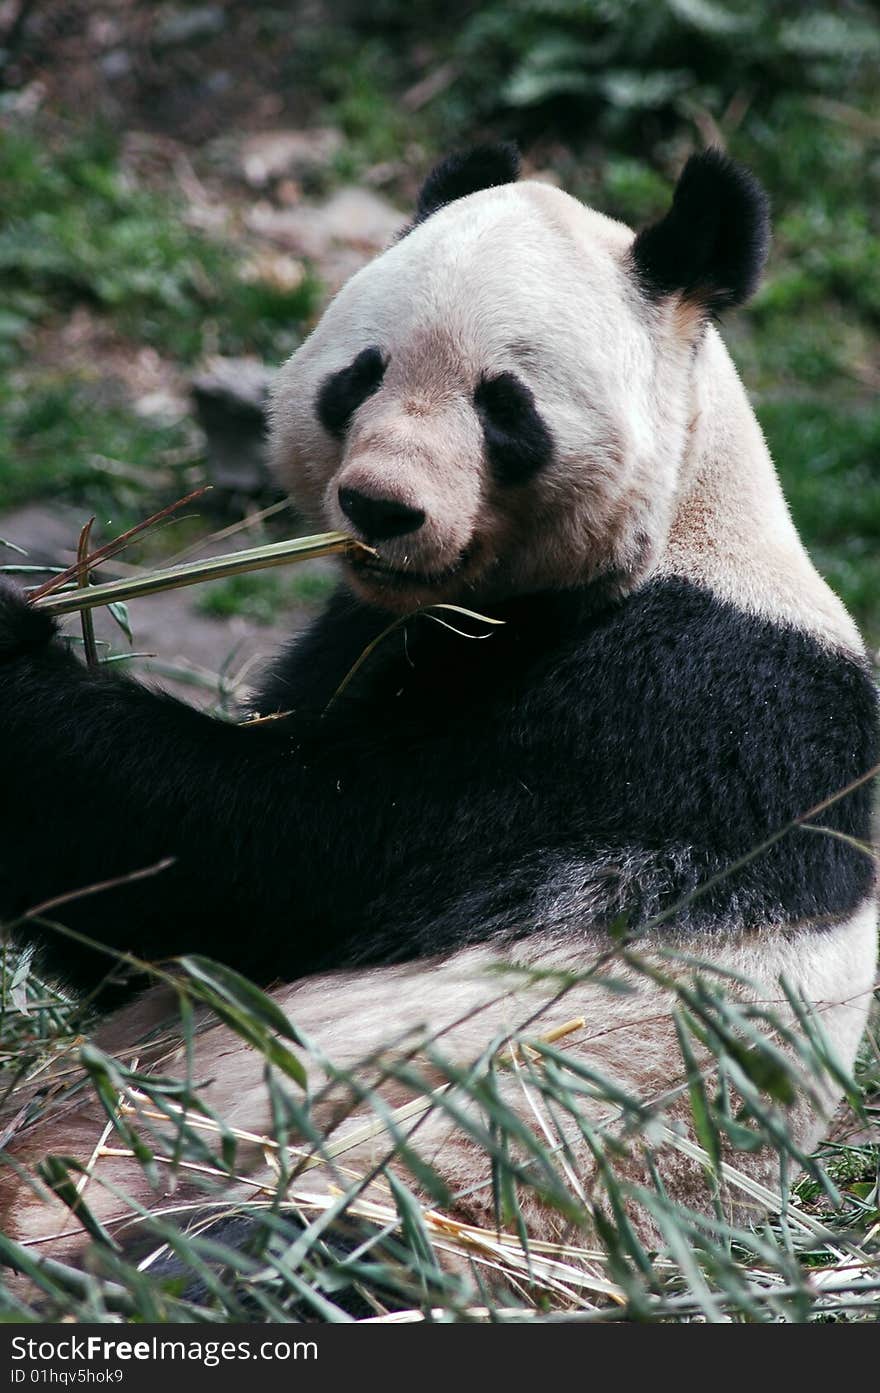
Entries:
{"x":500,"y":403}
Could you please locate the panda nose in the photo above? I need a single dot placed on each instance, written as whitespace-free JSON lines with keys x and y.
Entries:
{"x":377,"y":519}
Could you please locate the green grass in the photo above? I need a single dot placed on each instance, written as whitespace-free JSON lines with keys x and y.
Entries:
{"x":77,"y":230}
{"x":827,"y":455}
{"x":264,"y":596}
{"x":352,"y":80}
{"x":59,"y":431}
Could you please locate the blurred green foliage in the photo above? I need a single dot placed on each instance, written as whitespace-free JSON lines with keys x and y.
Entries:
{"x":76,"y":230}
{"x":263,"y":596}
{"x":57,"y":428}
{"x":623,"y":59}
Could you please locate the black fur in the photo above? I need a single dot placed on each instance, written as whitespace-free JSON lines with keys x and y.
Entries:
{"x":712,"y":244}
{"x":585,"y":761}
{"x":22,"y":630}
{"x":518,"y":443}
{"x":334,"y":1272}
{"x":482,"y":167}
{"x":340,"y":395}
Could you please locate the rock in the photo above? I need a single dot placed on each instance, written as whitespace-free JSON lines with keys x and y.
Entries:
{"x":115,"y":64}
{"x":161,"y":404}
{"x":184,"y":26}
{"x":288,"y":192}
{"x":105,"y":31}
{"x":218,"y":82}
{"x":354,"y":219}
{"x":47,"y":532}
{"x":339,"y":265}
{"x":230,"y":400}
{"x":271,"y":155}
{"x":282,"y":272}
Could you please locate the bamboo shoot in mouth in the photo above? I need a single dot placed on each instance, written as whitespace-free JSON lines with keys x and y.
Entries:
{"x":195,"y":572}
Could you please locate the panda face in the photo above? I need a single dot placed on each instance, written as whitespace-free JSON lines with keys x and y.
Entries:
{"x":497,"y":404}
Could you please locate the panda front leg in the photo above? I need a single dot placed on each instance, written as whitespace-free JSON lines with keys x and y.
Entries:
{"x":153,"y":829}
{"x":279,"y":848}
{"x":104,"y":780}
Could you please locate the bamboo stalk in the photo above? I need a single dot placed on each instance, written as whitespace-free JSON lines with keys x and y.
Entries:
{"x":90,"y":643}
{"x":112,"y":548}
{"x":215,"y":568}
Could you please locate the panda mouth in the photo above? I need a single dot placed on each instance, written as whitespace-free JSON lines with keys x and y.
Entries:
{"x":376,"y":569}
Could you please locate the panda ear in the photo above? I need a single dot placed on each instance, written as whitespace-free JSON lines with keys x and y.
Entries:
{"x":711,"y":246}
{"x":481,"y":167}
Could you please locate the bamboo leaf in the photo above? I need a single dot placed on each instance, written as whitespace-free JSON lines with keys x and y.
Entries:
{"x":248,"y":1011}
{"x":119,"y":611}
{"x":56,"y":1172}
{"x":239,"y":991}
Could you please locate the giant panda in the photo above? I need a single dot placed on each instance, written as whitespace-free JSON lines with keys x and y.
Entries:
{"x":525,"y":411}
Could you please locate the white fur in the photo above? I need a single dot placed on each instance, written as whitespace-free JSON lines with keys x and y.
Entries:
{"x":496,"y":283}
{"x":660,"y":464}
{"x":733,"y":532}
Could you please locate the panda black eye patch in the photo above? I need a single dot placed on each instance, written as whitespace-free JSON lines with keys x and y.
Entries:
{"x":518,"y":442}
{"x":340,"y":394}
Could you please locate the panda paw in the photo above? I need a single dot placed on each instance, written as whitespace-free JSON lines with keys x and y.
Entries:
{"x":23,"y":629}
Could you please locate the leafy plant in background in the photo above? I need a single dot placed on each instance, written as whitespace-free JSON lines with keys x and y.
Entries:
{"x":646,"y":55}
{"x":77,"y":230}
{"x":262,"y":597}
